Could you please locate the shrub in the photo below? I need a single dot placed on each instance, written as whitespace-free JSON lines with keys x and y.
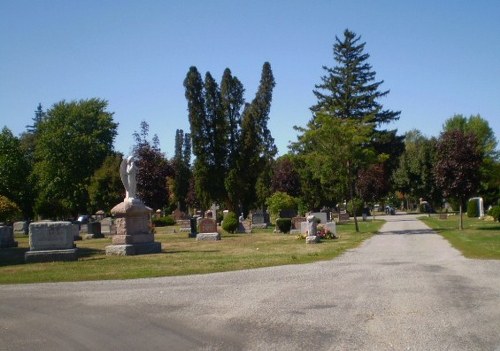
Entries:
{"x":163,"y":221}
{"x":495,"y":213}
{"x":9,"y":211}
{"x":230,"y":222}
{"x":284,"y":224}
{"x":473,"y":208}
{"x":280,"y":201}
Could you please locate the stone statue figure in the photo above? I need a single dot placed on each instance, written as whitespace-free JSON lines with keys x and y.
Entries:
{"x":128,"y":175}
{"x":312,"y":225}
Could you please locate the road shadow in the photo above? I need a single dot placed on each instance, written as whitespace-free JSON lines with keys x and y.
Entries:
{"x":408,"y":232}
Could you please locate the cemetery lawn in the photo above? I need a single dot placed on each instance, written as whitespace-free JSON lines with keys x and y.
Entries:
{"x":181,"y":255}
{"x":479,"y":239}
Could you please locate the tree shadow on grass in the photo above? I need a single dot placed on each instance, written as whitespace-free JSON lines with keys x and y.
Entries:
{"x":497,"y":227}
{"x":187,"y":251}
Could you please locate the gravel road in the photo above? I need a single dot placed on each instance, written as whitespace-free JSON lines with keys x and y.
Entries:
{"x":405,"y":289}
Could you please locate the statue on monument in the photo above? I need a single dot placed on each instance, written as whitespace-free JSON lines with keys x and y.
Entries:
{"x":128,"y":175}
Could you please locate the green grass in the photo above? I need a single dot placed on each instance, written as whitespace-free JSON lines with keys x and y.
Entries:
{"x":180,"y":256}
{"x":479,"y":239}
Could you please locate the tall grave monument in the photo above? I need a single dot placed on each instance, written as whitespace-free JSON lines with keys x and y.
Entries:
{"x":132,"y":218}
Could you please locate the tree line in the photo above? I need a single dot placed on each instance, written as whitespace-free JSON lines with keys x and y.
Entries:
{"x":64,"y":164}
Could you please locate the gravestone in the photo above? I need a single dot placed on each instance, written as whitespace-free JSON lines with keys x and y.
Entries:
{"x":51,"y":241}
{"x":133,"y":230}
{"x":107,"y":226}
{"x":259,"y":220}
{"x":193,"y":223}
{"x":179,"y":215}
{"x":208,"y":230}
{"x":443,"y":215}
{"x":480,"y":205}
{"x":7,"y":237}
{"x":331,"y":227}
{"x":22,"y":226}
{"x":321,"y":216}
{"x":184,"y":225}
{"x":296,"y":221}
{"x":94,"y":231}
{"x":342,"y":217}
{"x":312,"y":226}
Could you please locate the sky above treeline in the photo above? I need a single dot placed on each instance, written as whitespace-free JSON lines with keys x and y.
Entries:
{"x":437,"y":58}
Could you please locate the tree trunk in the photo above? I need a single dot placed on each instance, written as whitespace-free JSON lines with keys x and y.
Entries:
{"x":461,"y":221}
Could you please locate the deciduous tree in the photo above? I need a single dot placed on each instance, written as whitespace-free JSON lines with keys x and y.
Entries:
{"x":458,"y":159}
{"x":73,"y":140}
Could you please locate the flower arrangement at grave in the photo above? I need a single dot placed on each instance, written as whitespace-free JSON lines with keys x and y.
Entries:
{"x":324,"y":233}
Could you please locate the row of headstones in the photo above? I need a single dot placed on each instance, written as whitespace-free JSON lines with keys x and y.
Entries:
{"x":96,"y":229}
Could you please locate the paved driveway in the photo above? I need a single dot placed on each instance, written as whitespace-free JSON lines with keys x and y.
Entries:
{"x":405,"y":289}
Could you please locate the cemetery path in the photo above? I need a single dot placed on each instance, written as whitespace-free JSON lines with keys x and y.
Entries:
{"x":405,"y":289}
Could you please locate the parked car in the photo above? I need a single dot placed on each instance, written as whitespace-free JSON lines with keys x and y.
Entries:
{"x":390,"y":210}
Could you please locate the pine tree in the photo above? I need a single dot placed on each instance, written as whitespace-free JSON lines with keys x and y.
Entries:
{"x":349,"y":90}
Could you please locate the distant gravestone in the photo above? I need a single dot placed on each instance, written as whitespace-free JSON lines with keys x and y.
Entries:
{"x":94,"y":230}
{"x":51,"y":241}
{"x":193,"y":223}
{"x":321,"y":216}
{"x":443,"y":215}
{"x":179,"y":215}
{"x":107,"y":226}
{"x":296,"y":221}
{"x":342,"y":217}
{"x":208,"y":230}
{"x":7,"y":237}
{"x":259,"y":220}
{"x":184,"y":225}
{"x":22,"y":226}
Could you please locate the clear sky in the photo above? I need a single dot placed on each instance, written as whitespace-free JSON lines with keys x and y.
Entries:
{"x":437,"y":58}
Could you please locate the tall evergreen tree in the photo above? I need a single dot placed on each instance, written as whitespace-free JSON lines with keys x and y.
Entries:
{"x":349,"y":89}
{"x":257,"y":144}
{"x":181,"y":166}
{"x":348,"y":92}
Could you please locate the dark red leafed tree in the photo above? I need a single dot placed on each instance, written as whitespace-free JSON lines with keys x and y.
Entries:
{"x":457,"y":168}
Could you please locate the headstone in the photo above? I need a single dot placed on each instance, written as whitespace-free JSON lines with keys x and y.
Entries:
{"x":51,"y":241}
{"x":342,"y":217}
{"x":179,"y":215}
{"x":22,"y":226}
{"x":259,"y":220}
{"x":94,"y":231}
{"x":322,"y":216}
{"x":184,"y":225}
{"x":312,"y":226}
{"x":193,"y":222}
{"x":303,"y":228}
{"x":133,"y":230}
{"x":99,"y":215}
{"x":296,"y":221}
{"x":7,"y":237}
{"x":443,"y":215}
{"x":208,"y":230}
{"x":331,"y":227}
{"x":107,"y":226}
{"x":480,"y":205}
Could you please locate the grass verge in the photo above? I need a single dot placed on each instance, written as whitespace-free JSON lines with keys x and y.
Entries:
{"x":479,"y":239}
{"x":180,"y":256}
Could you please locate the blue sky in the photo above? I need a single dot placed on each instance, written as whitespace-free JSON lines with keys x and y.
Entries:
{"x":437,"y":58}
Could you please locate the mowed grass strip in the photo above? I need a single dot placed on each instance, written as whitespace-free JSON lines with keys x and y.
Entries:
{"x":180,"y":256}
{"x":479,"y":239}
